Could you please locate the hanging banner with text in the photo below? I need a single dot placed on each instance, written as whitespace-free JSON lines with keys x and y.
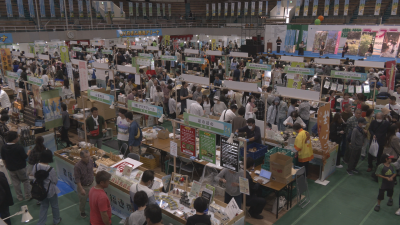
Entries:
{"x":229,"y":154}
{"x":256,"y":66}
{"x":213,"y":126}
{"x":390,"y":73}
{"x":298,"y":70}
{"x":349,"y":75}
{"x":35,"y":81}
{"x":144,"y":108}
{"x":323,"y":126}
{"x":101,"y":97}
{"x":12,"y":75}
{"x":169,"y":57}
{"x":194,"y":60}
{"x":188,"y":140}
{"x":207,"y":150}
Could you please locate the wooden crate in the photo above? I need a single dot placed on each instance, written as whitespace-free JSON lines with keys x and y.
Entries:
{"x":150,"y":163}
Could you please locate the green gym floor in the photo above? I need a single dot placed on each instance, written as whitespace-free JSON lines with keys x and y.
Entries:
{"x":346,"y":200}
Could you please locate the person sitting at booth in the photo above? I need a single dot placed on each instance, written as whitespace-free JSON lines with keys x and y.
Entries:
{"x":200,"y":205}
{"x":253,"y":132}
{"x":294,"y":118}
{"x":145,"y":183}
{"x":256,"y":203}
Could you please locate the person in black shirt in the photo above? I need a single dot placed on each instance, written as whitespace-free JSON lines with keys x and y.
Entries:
{"x":278,"y":45}
{"x":256,"y":203}
{"x":253,"y":132}
{"x":6,"y":199}
{"x":200,"y":204}
{"x":370,"y":50}
{"x":322,"y":48}
{"x":345,"y":49}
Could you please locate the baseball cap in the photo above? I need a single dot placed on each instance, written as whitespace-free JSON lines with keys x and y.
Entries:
{"x":387,"y":156}
{"x":362,"y":120}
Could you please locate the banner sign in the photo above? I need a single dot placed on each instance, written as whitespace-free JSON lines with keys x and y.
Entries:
{"x":169,"y":57}
{"x":349,"y":75}
{"x":298,"y":70}
{"x":315,"y":8}
{"x":226,"y":9}
{"x":98,"y":15}
{"x":326,"y":8}
{"x":139,"y":32}
{"x":194,"y":60}
{"x":169,"y":10}
{"x":278,"y":8}
{"x":64,"y":54}
{"x":32,"y":9}
{"x":80,"y":8}
{"x":260,"y":6}
{"x":207,"y":10}
{"x":257,"y":66}
{"x":378,"y":7}
{"x":88,"y":8}
{"x":145,"y":108}
{"x":266,"y":8}
{"x":253,"y":8}
{"x":9,"y":8}
{"x":42,"y":9}
{"x":158,"y":9}
{"x":188,"y":140}
{"x":21,"y":8}
{"x":361,"y":8}
{"x":143,"y":61}
{"x":246,"y":8}
{"x":6,"y":59}
{"x":213,"y":126}
{"x":76,"y":49}
{"x":390,"y":74}
{"x":101,"y":97}
{"x":305,"y":10}
{"x":146,"y":55}
{"x":130,"y":8}
{"x":229,"y":154}
{"x":346,"y":7}
{"x":71,"y":8}
{"x":232,"y":9}
{"x":239,"y":8}
{"x":52,"y":9}
{"x":12,"y":75}
{"x":163,"y":9}
{"x":150,"y":9}
{"x":144,"y":8}
{"x":35,"y":81}
{"x":83,"y":75}
{"x":120,"y":204}
{"x":213,"y":9}
{"x":297,"y":12}
{"x":395,"y":5}
{"x":109,"y":52}
{"x":323,"y":126}
{"x":219,"y":9}
{"x":137,"y":9}
{"x":336,"y":8}
{"x":6,"y":38}
{"x":207,"y":151}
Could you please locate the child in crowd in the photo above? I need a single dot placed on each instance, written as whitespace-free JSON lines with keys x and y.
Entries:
{"x":138,"y":218}
{"x":200,"y":204}
{"x":386,"y":173}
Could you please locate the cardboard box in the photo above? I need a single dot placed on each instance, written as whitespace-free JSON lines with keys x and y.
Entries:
{"x":382,"y":101}
{"x":281,"y":165}
{"x":283,"y":180}
{"x":104,"y":110}
{"x":88,"y":103}
{"x":163,"y":134}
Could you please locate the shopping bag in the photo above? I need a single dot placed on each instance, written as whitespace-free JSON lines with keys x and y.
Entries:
{"x":373,"y":149}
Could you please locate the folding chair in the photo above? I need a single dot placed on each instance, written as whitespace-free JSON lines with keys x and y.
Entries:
{"x":134,"y":156}
{"x":302,"y":187}
{"x":187,"y":165}
{"x":124,"y":150}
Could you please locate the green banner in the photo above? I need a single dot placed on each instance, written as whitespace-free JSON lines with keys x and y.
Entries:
{"x":12,"y":75}
{"x":348,"y":75}
{"x":91,"y":50}
{"x":207,"y":146}
{"x":77,"y":49}
{"x":110,"y":52}
{"x":35,"y":81}
{"x":169,"y":57}
{"x":211,"y":125}
{"x":299,"y":70}
{"x":143,"y":61}
{"x":101,"y":97}
{"x":146,"y":55}
{"x":256,"y":66}
{"x":64,"y":54}
{"x":194,"y":60}
{"x":145,"y":108}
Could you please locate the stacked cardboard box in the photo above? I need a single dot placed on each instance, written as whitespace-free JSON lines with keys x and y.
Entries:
{"x":281,"y":168}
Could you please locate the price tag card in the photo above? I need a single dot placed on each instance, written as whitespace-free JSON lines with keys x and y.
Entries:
{"x":173,"y":148}
{"x":333,"y":87}
{"x":327,"y":84}
{"x":351,"y":89}
{"x":366,"y":88}
{"x":358,"y":89}
{"x":339,"y":87}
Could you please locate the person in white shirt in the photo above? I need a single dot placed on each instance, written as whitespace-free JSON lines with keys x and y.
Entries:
{"x":88,"y":57}
{"x":66,"y":90}
{"x":228,"y":114}
{"x":250,"y":108}
{"x":219,"y":106}
{"x":196,"y":109}
{"x":172,"y":106}
{"x":397,"y":94}
{"x":391,"y":106}
{"x":123,"y":128}
{"x":4,"y":99}
{"x":292,"y":119}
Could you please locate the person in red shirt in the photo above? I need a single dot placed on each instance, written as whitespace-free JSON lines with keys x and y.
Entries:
{"x":332,"y":100}
{"x":100,"y":208}
{"x":346,"y":100}
{"x":150,"y":72}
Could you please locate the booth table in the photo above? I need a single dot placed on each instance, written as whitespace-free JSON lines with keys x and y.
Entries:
{"x":326,"y":162}
{"x":120,"y":198}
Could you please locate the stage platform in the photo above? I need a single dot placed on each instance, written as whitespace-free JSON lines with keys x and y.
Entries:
{"x":374,"y":58}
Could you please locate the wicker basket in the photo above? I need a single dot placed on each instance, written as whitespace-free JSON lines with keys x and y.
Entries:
{"x":150,"y":163}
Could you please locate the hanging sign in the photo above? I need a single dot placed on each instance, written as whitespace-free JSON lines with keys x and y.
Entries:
{"x":188,"y":140}
{"x":139,"y":32}
{"x":229,"y":154}
{"x":348,"y":75}
{"x":169,"y":57}
{"x":77,"y":49}
{"x":101,"y":97}
{"x":143,"y":61}
{"x":110,"y":52}
{"x":12,"y":75}
{"x":35,"y":81}
{"x":323,"y":126}
{"x":210,"y":125}
{"x":207,"y":151}
{"x":298,"y":70}
{"x":146,"y":55}
{"x":145,"y":108}
{"x":194,"y":60}
{"x":256,"y":66}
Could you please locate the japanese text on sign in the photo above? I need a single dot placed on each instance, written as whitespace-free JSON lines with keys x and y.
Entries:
{"x":211,"y":125}
{"x":323,"y":126}
{"x":348,"y":75}
{"x":256,"y":66}
{"x":144,"y":108}
{"x":194,"y":60}
{"x":139,"y":32}
{"x":101,"y":97}
{"x":188,"y":140}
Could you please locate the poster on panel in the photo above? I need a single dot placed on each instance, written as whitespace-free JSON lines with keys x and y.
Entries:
{"x":390,"y":44}
{"x":367,"y":39}
{"x":332,"y":42}
{"x":320,"y":36}
{"x":353,"y":40}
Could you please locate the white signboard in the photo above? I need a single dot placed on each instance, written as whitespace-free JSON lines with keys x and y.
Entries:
{"x":195,"y":79}
{"x":44,"y":57}
{"x":126,"y":69}
{"x":100,"y":65}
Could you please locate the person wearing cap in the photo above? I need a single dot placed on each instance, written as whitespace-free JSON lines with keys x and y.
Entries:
{"x":253,"y":132}
{"x":358,"y":136}
{"x":229,"y":114}
{"x":303,"y":146}
{"x":219,"y":106}
{"x":386,"y":173}
{"x":393,"y":106}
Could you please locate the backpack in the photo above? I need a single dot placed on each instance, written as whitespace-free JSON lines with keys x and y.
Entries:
{"x":38,"y":190}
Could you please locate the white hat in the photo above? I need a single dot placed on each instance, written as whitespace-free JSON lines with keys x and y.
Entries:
{"x":216,"y":97}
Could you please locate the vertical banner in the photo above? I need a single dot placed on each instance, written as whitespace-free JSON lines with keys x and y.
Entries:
{"x":121,"y":8}
{"x":226,"y":9}
{"x":169,"y":10}
{"x":6,"y":59}
{"x":253,"y":8}
{"x":306,"y":5}
{"x":21,"y":8}
{"x":361,"y":8}
{"x":150,"y":9}
{"x":51,"y":104}
{"x":158,"y":9}
{"x":80,"y":8}
{"x":213,"y":9}
{"x":88,"y":8}
{"x":346,"y":7}
{"x":42,"y":8}
{"x":229,"y":154}
{"x":98,"y":15}
{"x":83,"y":75}
{"x":71,"y":8}
{"x":188,"y":140}
{"x":207,"y":10}
{"x":377,"y":7}
{"x":297,"y":12}
{"x":266,"y":8}
{"x":239,"y":8}
{"x":326,"y":8}
{"x":112,"y":9}
{"x":232,"y":9}
{"x":213,"y":44}
{"x":395,"y":4}
{"x":260,"y":6}
{"x":163,"y":9}
{"x":130,"y":8}
{"x":336,"y":8}
{"x":207,"y":151}
{"x":144,"y":9}
{"x":64,"y":54}
{"x":219,"y":9}
{"x":52,"y":9}
{"x":315,"y":8}
{"x":390,"y":74}
{"x":323,"y":126}
{"x":32,"y":9}
{"x":9,"y":8}
{"x":278,"y":8}
{"x":137,"y":9}
{"x":246,"y":8}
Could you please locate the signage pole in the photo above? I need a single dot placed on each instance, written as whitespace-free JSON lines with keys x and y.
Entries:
{"x":244,"y":169}
{"x":373,"y":96}
{"x":84,"y":118}
{"x":174,"y":130}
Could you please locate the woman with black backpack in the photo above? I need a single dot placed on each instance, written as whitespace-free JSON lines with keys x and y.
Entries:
{"x":46,"y":178}
{"x":34,"y":154}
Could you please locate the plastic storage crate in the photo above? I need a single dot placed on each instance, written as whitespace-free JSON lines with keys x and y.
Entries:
{"x":261,"y":150}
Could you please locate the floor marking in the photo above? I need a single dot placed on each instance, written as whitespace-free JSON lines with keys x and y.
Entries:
{"x":323,"y":197}
{"x":366,"y":217}
{"x":52,"y":213}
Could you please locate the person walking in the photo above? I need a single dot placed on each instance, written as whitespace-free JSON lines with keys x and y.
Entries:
{"x":377,"y":129}
{"x":50,"y":184}
{"x":83,"y":174}
{"x":34,"y":156}
{"x":65,"y":126}
{"x":6,"y":199}
{"x":100,"y":208}
{"x":96,"y":126}
{"x":123,"y":128}
{"x":14,"y":158}
{"x":358,"y":136}
{"x":351,"y":123}
{"x":135,"y":134}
